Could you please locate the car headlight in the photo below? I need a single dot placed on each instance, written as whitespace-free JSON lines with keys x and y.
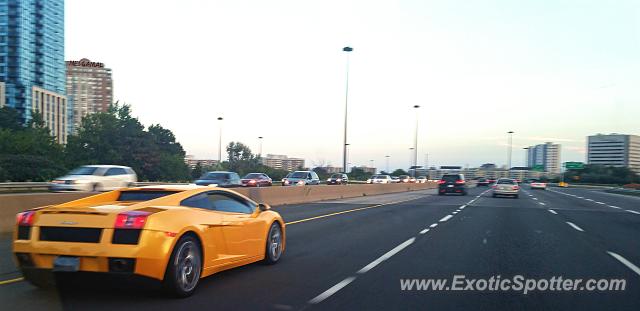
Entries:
{"x":328,"y":179}
{"x":301,"y":182}
{"x":57,"y":181}
{"x":286,"y":182}
{"x":338,"y":179}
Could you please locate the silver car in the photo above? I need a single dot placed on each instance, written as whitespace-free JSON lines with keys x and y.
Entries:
{"x":506,"y":187}
{"x":95,"y":178}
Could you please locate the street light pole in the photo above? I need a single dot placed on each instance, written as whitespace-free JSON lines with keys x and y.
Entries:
{"x":372,"y":165}
{"x":415,"y":143}
{"x":411,"y":158}
{"x":346,"y":104}
{"x":260,"y":138}
{"x":509,"y":151}
{"x":220,"y":142}
{"x":387,"y":157}
{"x":526,"y":156}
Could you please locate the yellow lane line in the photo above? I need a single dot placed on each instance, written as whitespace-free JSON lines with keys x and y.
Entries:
{"x":11,"y":281}
{"x":347,"y":211}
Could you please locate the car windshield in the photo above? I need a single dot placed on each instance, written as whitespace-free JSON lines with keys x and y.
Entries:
{"x":215,"y":176}
{"x":506,"y":182}
{"x":253,"y":176}
{"x":142,"y":195}
{"x":336,"y":176}
{"x":84,"y":170}
{"x":299,"y":175}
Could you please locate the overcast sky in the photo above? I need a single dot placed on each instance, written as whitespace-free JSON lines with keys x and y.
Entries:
{"x":551,"y":70}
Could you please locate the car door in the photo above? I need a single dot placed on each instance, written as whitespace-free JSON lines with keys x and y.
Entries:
{"x":214,"y":244}
{"x":242,"y":230}
{"x":112,"y":178}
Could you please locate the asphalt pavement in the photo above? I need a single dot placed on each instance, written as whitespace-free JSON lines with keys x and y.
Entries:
{"x":354,"y":254}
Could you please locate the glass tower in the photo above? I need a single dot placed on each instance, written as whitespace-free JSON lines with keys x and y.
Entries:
{"x":31,"y":51}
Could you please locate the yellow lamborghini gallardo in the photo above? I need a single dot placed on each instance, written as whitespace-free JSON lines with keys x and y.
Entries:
{"x":175,"y":234}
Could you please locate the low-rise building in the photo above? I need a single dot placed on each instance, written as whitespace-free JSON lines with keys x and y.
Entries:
{"x":283,"y":162}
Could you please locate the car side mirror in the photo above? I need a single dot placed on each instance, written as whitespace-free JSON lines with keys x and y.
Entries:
{"x":264,"y":207}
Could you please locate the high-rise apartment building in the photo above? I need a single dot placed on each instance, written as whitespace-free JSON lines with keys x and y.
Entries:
{"x":614,"y":150}
{"x":545,"y":155}
{"x":89,"y":89}
{"x":282,"y":162}
{"x":32,"y":61}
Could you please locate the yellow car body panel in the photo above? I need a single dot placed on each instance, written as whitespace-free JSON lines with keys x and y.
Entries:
{"x":227,"y":239}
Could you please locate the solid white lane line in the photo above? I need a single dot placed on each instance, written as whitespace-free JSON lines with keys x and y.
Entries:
{"x":574,"y":226}
{"x":334,"y":289}
{"x":433,"y":226}
{"x":553,"y":212}
{"x":589,"y":200}
{"x":535,"y":199}
{"x":613,"y":206}
{"x":387,"y":255}
{"x":424,"y":231}
{"x":580,"y":197}
{"x":541,"y":203}
{"x":630,"y":211}
{"x":625,"y":262}
{"x":602,"y":203}
{"x":445,"y":218}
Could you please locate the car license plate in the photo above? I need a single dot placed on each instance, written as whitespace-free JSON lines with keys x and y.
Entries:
{"x":450,"y":186}
{"x":66,"y":264}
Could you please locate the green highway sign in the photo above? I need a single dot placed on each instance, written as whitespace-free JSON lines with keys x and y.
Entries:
{"x":574,"y":165}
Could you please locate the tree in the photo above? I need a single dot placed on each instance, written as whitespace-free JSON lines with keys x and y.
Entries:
{"x":399,"y":172}
{"x":601,"y":174}
{"x":358,"y":174}
{"x":322,"y":173}
{"x":241,"y":159}
{"x":115,"y":137}
{"x":27,"y":153}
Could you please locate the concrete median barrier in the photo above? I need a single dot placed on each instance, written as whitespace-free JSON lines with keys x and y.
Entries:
{"x":11,"y":204}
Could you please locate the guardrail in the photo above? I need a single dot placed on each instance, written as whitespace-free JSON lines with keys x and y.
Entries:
{"x":9,"y":187}
{"x":624,"y":191}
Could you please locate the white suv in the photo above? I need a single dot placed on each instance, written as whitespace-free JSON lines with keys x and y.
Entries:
{"x":95,"y":178}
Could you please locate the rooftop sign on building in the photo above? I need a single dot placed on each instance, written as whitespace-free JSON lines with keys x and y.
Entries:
{"x":84,"y":63}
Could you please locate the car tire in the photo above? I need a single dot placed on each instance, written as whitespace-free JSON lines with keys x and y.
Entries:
{"x":515,"y":196}
{"x":273,"y":245}
{"x":184,"y":268}
{"x":494,"y":195}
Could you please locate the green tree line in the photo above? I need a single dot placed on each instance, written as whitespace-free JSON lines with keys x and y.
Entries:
{"x":30,"y":153}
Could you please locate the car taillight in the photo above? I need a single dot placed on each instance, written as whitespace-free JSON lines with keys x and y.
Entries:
{"x":252,"y":181}
{"x":494,"y":186}
{"x":131,"y":220}
{"x":440,"y":182}
{"x":25,"y":218}
{"x":516,"y":187}
{"x":459,"y":182}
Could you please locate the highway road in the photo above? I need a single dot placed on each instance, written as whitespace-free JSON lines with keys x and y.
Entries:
{"x":351,"y":254}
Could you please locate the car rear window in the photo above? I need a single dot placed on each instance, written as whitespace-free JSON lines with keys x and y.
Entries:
{"x":336,"y":176}
{"x":299,"y":175}
{"x":506,"y":182}
{"x":253,"y":176}
{"x":450,"y":178}
{"x":143,"y":195}
{"x":215,"y":176}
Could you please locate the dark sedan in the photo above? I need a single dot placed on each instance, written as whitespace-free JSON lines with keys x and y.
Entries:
{"x":220,"y":179}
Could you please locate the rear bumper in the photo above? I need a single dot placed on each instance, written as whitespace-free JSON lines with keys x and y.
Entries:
{"x":538,"y":187}
{"x":505,"y":192}
{"x":71,"y":187}
{"x":454,"y":189}
{"x":149,"y":256}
